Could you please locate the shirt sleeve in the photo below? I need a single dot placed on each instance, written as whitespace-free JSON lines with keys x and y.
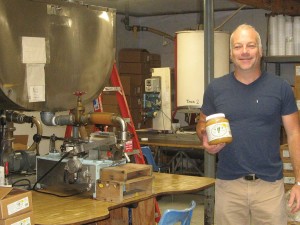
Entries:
{"x":289,"y":105}
{"x":208,"y":106}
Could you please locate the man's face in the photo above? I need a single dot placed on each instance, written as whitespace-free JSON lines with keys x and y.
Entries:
{"x":245,"y":53}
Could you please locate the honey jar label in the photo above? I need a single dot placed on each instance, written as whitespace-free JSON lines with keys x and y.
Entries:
{"x":218,"y":130}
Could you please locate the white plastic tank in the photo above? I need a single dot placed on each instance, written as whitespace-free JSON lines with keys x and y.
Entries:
{"x":190,"y":65}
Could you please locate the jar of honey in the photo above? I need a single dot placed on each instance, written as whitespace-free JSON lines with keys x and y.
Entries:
{"x":218,"y":129}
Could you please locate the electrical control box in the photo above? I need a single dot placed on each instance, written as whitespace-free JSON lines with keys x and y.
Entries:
{"x":152,"y":84}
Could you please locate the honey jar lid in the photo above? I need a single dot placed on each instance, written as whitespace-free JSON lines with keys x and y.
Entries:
{"x":213,"y":116}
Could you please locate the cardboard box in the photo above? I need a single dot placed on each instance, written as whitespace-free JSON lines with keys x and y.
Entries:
{"x":288,"y":187}
{"x":136,"y":102}
{"x":109,"y":99}
{"x":283,"y":136}
{"x":14,"y":202}
{"x":23,"y":219}
{"x":297,"y":82}
{"x":288,"y":171}
{"x":133,"y":85}
{"x":154,"y":57}
{"x":137,"y":119}
{"x":111,"y":109}
{"x":155,"y":64}
{"x":297,"y":91}
{"x":135,"y":68}
{"x":287,"y":166}
{"x":289,"y":177}
{"x":155,"y":61}
{"x":134,"y":55}
{"x":20,"y":142}
{"x":146,"y":124}
{"x":284,"y":153}
{"x":126,"y":82}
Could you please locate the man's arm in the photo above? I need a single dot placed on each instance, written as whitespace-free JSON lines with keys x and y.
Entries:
{"x":291,"y":125}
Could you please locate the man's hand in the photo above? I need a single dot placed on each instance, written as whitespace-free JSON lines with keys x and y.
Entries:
{"x":294,"y":201}
{"x":212,"y":149}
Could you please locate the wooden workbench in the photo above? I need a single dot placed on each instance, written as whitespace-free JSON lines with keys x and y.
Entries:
{"x":83,"y":210}
{"x":173,"y":143}
{"x":181,"y":146}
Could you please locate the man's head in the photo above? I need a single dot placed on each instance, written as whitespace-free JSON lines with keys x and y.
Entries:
{"x":245,"y":48}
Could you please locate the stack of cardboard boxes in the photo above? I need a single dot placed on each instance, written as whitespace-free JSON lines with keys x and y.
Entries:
{"x":297,"y":86}
{"x":288,"y":178}
{"x":15,"y":206}
{"x":288,"y":172}
{"x":296,"y":89}
{"x":134,"y":67}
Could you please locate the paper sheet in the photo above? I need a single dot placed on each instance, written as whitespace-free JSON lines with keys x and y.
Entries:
{"x":33,"y":50}
{"x":35,"y":75}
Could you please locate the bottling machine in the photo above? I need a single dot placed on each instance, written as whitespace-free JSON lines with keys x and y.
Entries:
{"x":51,"y":49}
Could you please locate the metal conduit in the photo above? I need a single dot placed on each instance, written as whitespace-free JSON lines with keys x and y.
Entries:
{"x":210,"y":160}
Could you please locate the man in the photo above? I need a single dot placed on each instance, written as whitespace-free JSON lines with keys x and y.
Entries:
{"x":249,"y":186}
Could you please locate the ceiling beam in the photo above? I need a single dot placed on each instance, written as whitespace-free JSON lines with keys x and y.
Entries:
{"x":286,"y":7}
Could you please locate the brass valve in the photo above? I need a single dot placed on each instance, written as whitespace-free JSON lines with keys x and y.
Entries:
{"x":80,"y":109}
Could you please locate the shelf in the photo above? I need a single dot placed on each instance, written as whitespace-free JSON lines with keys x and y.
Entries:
{"x":281,"y":59}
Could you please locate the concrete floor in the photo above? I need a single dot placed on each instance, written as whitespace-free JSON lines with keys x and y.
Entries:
{"x":182,"y":201}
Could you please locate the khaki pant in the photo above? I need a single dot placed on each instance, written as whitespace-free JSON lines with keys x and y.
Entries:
{"x":242,"y":202}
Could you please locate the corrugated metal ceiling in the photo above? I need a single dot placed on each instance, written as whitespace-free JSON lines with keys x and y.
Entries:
{"x":140,"y":8}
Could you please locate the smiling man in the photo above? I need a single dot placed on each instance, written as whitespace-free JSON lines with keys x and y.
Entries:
{"x":249,"y":186}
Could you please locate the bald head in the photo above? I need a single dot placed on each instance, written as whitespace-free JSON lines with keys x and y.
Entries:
{"x":245,"y":27}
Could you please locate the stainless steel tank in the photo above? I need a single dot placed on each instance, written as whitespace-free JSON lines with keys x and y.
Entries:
{"x":56,"y":48}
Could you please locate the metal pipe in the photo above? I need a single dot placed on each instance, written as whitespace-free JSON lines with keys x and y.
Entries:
{"x":158,"y":32}
{"x":39,"y":132}
{"x":123,"y":125}
{"x":64,"y":120}
{"x":137,"y":28}
{"x":16,"y":117}
{"x":98,"y":118}
{"x":108,"y":119}
{"x":210,"y":160}
{"x":229,"y":18}
{"x":49,"y":119}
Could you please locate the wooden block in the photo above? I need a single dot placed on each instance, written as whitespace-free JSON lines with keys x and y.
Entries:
{"x":116,"y":191}
{"x":125,"y":172}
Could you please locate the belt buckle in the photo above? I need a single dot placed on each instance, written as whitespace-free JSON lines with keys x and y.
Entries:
{"x":253,"y":176}
{"x":250,"y":177}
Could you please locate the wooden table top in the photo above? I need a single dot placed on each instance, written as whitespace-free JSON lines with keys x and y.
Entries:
{"x":173,"y":143}
{"x":82,"y":209}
